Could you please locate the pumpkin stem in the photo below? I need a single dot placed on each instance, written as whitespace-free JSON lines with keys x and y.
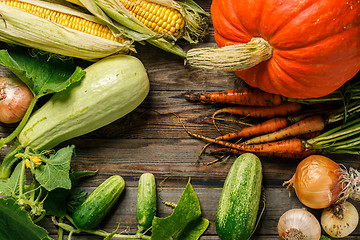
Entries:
{"x":231,"y":58}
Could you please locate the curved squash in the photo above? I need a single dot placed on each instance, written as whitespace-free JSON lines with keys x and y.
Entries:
{"x":111,"y":88}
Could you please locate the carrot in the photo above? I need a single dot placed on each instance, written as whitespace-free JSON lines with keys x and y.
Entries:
{"x":243,"y":96}
{"x":267,"y":126}
{"x":307,"y":125}
{"x":283,"y":109}
{"x":286,"y":147}
{"x":267,"y":154}
{"x":310,"y":135}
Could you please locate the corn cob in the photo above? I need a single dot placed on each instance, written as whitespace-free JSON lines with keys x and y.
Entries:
{"x":65,"y":31}
{"x":159,"y":22}
{"x":161,"y":19}
{"x":66,"y":20}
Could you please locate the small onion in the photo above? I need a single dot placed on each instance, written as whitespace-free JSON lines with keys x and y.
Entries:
{"x":339,"y":220}
{"x":318,"y":181}
{"x":15,"y":98}
{"x":299,"y":224}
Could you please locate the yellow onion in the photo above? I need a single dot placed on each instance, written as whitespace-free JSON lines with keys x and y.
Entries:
{"x":318,"y":181}
{"x":15,"y":98}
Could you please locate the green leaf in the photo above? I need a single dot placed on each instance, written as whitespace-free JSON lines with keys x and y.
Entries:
{"x":54,"y":171}
{"x":194,"y":230}
{"x":181,"y":222}
{"x":76,"y":176}
{"x":16,"y":223}
{"x":42,"y":72}
{"x":59,"y":201}
{"x":324,"y":238}
{"x":11,"y":185}
{"x":55,"y":202}
{"x":78,"y":197}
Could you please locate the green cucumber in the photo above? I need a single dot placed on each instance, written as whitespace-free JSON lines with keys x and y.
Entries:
{"x":111,"y":88}
{"x":236,"y":215}
{"x":146,"y":201}
{"x":98,"y":203}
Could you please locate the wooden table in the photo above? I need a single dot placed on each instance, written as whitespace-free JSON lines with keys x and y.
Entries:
{"x":147,"y":141}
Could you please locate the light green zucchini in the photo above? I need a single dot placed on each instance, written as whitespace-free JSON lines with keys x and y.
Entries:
{"x":97,"y":205}
{"x":238,"y":207}
{"x":111,"y":88}
{"x":146,"y":201}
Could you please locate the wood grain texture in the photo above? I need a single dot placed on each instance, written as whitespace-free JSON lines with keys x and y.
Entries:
{"x":150,"y":139}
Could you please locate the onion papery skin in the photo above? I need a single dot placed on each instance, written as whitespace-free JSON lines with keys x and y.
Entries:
{"x":15,"y":98}
{"x":340,"y":220}
{"x":299,"y":224}
{"x":317,"y":182}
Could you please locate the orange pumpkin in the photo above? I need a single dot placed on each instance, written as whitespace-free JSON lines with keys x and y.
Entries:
{"x":314,"y":45}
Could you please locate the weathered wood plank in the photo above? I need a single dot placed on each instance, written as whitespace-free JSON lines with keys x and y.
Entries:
{"x":147,"y":141}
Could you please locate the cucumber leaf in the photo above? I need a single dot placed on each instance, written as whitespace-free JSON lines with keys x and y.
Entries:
{"x":180,"y":224}
{"x":77,"y":197}
{"x":42,"y":72}
{"x":194,"y":230}
{"x":324,"y":238}
{"x":55,"y":202}
{"x":59,"y":201}
{"x":17,"y":224}
{"x":54,"y":171}
{"x":11,"y":185}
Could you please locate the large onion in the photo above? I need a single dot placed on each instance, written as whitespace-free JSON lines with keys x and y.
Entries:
{"x":15,"y":98}
{"x":318,"y":181}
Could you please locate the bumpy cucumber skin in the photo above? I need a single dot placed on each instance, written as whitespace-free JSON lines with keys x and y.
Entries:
{"x":112,"y":88}
{"x":238,"y":207}
{"x":146,"y":201}
{"x":98,"y":203}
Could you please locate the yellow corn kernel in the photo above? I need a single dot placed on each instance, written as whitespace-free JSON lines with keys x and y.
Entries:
{"x":156,"y":17}
{"x":66,"y":20}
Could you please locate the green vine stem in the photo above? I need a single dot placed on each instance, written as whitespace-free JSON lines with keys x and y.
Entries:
{"x":9,"y":161}
{"x":21,"y":125}
{"x":120,"y":236}
{"x":22,"y":175}
{"x":97,"y":232}
{"x":231,"y":58}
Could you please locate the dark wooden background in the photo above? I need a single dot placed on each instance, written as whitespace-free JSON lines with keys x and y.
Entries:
{"x":147,"y":141}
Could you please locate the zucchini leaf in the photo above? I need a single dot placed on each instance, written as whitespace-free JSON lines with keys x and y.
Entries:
{"x":17,"y":224}
{"x":180,"y":225}
{"x":11,"y":185}
{"x":54,"y":171}
{"x":42,"y":72}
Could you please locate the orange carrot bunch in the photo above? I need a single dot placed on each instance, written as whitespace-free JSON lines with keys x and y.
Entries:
{"x":292,"y":128}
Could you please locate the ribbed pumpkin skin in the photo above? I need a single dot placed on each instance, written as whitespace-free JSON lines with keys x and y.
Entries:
{"x":316,"y":43}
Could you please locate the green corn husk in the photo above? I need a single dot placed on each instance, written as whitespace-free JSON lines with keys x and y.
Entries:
{"x":119,"y":18}
{"x":25,"y":29}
